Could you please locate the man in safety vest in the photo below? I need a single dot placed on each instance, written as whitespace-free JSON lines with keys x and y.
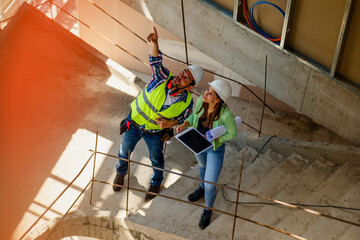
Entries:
{"x":165,"y":102}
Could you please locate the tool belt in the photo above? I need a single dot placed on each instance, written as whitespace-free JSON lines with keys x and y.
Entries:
{"x":165,"y":134}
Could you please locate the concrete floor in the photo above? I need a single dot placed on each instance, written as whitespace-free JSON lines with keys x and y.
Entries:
{"x":56,"y":93}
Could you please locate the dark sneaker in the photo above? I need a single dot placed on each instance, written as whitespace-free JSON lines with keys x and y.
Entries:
{"x":119,"y":180}
{"x":205,"y":219}
{"x":196,"y":195}
{"x":153,"y":189}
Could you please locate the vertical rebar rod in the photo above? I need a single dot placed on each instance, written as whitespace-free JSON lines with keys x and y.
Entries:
{"x":183,"y":18}
{"x":128,"y":186}
{"x":263,"y":109}
{"x":237,"y":199}
{"x":93,"y":173}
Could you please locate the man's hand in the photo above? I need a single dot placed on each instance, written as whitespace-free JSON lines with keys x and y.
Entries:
{"x":153,"y":40}
{"x":165,"y":123}
{"x":153,"y":37}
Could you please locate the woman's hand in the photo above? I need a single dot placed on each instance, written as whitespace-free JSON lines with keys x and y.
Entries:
{"x":182,"y":127}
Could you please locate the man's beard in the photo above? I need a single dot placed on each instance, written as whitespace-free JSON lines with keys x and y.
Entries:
{"x":177,"y":84}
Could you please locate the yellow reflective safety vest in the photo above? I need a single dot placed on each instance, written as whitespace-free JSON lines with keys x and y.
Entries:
{"x":146,"y":108}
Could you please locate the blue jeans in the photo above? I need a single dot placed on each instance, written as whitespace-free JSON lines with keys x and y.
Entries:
{"x":130,"y":138}
{"x":210,"y":164}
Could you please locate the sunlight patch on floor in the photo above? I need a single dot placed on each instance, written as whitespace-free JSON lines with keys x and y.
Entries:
{"x":172,"y":178}
{"x":66,"y":168}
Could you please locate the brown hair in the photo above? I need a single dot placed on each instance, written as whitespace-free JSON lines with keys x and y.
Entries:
{"x":213,"y":116}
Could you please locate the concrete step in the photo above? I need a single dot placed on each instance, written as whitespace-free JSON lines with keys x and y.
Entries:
{"x":251,"y":176}
{"x":308,"y":182}
{"x":189,"y":215}
{"x":339,"y":186}
{"x":180,"y":218}
{"x":351,"y":199}
{"x":231,"y":167}
{"x":352,"y":233}
{"x":324,"y":228}
{"x":269,"y":186}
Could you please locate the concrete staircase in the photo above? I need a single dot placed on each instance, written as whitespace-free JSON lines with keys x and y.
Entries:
{"x":293,"y":179}
{"x":290,"y":171}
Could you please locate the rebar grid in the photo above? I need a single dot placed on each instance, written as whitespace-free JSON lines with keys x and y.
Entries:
{"x":128,"y":187}
{"x":49,"y":207}
{"x":234,"y":189}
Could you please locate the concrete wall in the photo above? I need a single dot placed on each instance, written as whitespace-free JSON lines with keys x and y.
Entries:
{"x":290,"y":79}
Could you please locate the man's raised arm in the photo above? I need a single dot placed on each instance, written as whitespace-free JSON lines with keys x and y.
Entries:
{"x":153,"y":40}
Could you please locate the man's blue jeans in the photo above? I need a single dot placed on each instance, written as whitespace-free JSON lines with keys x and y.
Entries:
{"x":210,"y":164}
{"x":155,"y":146}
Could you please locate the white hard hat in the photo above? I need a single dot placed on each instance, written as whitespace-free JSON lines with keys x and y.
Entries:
{"x":197,"y":73}
{"x":222,"y":88}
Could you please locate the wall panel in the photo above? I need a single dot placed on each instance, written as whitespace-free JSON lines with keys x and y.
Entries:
{"x":350,"y":64}
{"x":315,"y":29}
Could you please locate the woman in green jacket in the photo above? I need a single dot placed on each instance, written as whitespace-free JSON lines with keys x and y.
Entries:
{"x":210,"y":112}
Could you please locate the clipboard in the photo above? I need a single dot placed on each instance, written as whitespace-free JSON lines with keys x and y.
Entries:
{"x":194,"y":140}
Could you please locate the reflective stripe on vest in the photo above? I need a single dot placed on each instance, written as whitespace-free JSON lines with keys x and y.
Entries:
{"x":145,"y":108}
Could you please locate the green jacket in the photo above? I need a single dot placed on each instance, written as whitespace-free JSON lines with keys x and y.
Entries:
{"x":226,"y":118}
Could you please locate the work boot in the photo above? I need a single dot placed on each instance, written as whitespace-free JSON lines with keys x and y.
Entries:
{"x":119,"y":180}
{"x":153,"y":189}
{"x":205,"y":219}
{"x":196,"y":195}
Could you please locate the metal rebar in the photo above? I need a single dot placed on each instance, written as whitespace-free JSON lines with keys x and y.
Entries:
{"x":102,"y":35}
{"x":69,"y":209}
{"x":246,"y":87}
{"x":210,"y":208}
{"x":93,"y":172}
{"x":98,"y":7}
{"x":241,"y":191}
{"x":128,"y":185}
{"x":263,"y":108}
{"x":300,"y":208}
{"x":49,"y":207}
{"x":184,"y":28}
{"x":165,"y":170}
{"x":163,"y":54}
{"x":216,"y":74}
{"x":237,"y":199}
{"x":137,"y":35}
{"x":7,"y":19}
{"x":262,"y":148}
{"x":43,"y":3}
{"x":246,"y":124}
